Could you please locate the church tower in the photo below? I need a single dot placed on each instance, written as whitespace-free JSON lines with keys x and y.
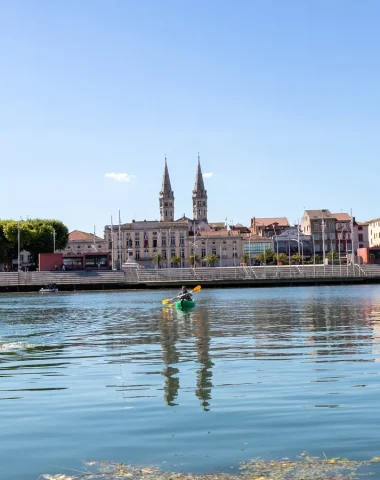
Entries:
{"x":199,"y":197}
{"x":166,"y":198}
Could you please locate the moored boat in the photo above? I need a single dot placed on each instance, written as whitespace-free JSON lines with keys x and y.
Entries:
{"x":185,"y":304}
{"x":51,"y":288}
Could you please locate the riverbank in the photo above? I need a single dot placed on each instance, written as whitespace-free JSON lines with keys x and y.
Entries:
{"x":213,"y":277}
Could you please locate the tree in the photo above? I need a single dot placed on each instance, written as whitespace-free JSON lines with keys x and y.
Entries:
{"x":268,"y":257}
{"x":245,"y":258}
{"x":317,"y":259}
{"x":36,"y":236}
{"x":194,"y":258}
{"x":283,"y":259}
{"x":176,"y":260}
{"x":332,"y":255}
{"x":158,"y":258}
{"x":296,"y":258}
{"x":210,"y":259}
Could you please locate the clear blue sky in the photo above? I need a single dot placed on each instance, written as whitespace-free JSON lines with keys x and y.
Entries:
{"x":281,"y":99}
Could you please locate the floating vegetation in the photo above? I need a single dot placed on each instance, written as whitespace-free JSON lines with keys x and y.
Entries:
{"x":304,"y":468}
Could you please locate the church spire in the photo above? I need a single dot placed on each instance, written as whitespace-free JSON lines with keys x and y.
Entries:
{"x":166,"y":197}
{"x":199,"y":185}
{"x":199,"y":196}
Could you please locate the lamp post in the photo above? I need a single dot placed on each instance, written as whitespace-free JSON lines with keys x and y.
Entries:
{"x":352,"y":244}
{"x":275,"y":235}
{"x":323,"y":243}
{"x":53,"y":240}
{"x":18,"y":245}
{"x":112,"y":253}
{"x":340,"y":263}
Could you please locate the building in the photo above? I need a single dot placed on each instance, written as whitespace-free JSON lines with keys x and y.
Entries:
{"x":361,"y":234}
{"x":25,"y":261}
{"x":341,"y":231}
{"x":374,"y":232}
{"x":320,"y":224}
{"x":369,"y":255}
{"x":74,"y":261}
{"x":82,"y":242}
{"x":269,"y":227}
{"x":152,"y":242}
{"x":225,"y":244}
{"x":253,"y":245}
{"x":293,"y":241}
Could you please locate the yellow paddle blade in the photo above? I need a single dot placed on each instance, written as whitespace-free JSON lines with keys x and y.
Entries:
{"x":196,"y":289}
{"x":165,"y":301}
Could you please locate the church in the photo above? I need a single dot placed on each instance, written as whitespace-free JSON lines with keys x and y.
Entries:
{"x":175,"y":240}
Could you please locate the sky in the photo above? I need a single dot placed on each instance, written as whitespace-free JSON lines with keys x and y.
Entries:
{"x":281,"y":100}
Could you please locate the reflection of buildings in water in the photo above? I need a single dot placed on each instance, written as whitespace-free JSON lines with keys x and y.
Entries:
{"x":375,"y":318}
{"x":338,"y":325}
{"x":170,"y":356}
{"x":202,"y":345}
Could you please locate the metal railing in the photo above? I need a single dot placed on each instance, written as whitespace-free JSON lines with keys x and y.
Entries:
{"x":166,"y":275}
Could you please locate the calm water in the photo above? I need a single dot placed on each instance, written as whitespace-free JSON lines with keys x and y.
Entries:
{"x":248,"y":373}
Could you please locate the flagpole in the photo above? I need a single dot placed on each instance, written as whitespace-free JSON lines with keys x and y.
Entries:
{"x":119,"y":250}
{"x":112,"y":244}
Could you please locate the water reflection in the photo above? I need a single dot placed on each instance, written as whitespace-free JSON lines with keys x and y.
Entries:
{"x":192,"y":324}
{"x":276,"y":369}
{"x":170,"y":356}
{"x":202,"y":345}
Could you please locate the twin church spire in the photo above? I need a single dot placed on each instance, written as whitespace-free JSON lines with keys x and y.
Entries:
{"x":167,"y":197}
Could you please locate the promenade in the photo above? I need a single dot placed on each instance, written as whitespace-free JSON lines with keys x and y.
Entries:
{"x":208,"y":277}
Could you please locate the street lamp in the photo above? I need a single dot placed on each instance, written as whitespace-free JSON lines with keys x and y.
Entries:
{"x":18,"y":244}
{"x":323,"y":242}
{"x":53,"y":240}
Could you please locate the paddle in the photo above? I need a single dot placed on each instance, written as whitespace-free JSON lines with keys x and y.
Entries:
{"x":169,"y":300}
{"x":196,"y":289}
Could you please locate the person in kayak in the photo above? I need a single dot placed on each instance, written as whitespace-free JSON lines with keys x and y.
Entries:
{"x":184,"y":294}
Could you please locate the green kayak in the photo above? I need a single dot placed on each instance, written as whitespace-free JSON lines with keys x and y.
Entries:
{"x":185,"y":304}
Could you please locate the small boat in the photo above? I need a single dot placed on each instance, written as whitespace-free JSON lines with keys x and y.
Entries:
{"x":51,"y":288}
{"x":185,"y":304}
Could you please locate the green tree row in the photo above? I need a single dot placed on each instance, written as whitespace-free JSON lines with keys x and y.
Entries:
{"x":194,"y":259}
{"x":36,"y":236}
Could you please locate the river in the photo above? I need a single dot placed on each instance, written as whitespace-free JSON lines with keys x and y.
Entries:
{"x":248,"y":373}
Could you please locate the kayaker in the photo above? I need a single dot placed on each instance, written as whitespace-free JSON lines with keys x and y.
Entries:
{"x":184,"y":294}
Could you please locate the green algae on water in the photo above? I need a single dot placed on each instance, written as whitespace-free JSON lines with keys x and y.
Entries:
{"x":305,"y":467}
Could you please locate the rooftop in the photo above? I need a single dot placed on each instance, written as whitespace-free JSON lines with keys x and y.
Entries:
{"x":342,"y":217}
{"x":315,"y":214}
{"x":77,"y":235}
{"x":269,"y":221}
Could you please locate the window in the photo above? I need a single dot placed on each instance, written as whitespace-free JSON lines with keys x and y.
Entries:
{"x":360,"y":229}
{"x":163,"y":240}
{"x":360,"y":245}
{"x":137,"y":255}
{"x":224,"y":252}
{"x":181,"y":238}
{"x":360,"y":236}
{"x":164,"y":253}
{"x":172,"y":252}
{"x":316,"y":236}
{"x":213,"y":251}
{"x":137,"y":240}
{"x":203,"y":252}
{"x":172,"y":239}
{"x":182,"y":253}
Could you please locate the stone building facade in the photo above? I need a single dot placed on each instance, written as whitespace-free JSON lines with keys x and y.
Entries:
{"x":142,"y":241}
